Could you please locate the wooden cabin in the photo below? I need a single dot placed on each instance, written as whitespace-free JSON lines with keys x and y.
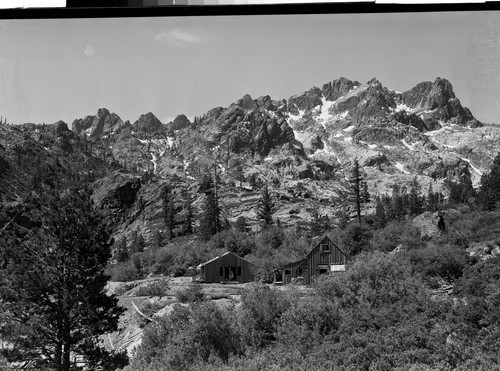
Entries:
{"x":228,"y":267}
{"x":324,"y":258}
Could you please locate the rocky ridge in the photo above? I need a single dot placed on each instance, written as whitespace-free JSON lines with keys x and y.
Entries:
{"x":303,"y":147}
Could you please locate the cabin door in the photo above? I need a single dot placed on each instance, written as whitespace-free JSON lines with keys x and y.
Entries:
{"x":230,"y":273}
{"x":287,"y":276}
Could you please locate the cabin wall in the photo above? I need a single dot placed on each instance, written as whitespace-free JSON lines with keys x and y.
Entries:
{"x":211,"y":271}
{"x":294,"y":269}
{"x":318,"y":259}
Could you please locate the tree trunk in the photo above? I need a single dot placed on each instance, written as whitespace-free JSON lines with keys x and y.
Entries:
{"x":358,"y":204}
{"x":58,"y":356}
{"x":66,"y":364}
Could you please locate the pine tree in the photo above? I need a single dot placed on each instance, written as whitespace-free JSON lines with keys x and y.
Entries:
{"x":319,"y":223}
{"x":241,"y":224}
{"x":138,"y":243}
{"x":489,"y":188}
{"x":356,"y":189}
{"x":238,"y":173}
{"x":265,"y":208}
{"x":398,"y":206}
{"x":122,"y":254}
{"x":432,"y":199}
{"x":316,"y":228}
{"x":53,"y":285}
{"x":405,"y":201}
{"x":210,"y":223}
{"x":342,"y":217}
{"x":388,"y":203}
{"x":169,"y":211}
{"x":189,"y":213}
{"x":381,"y":219}
{"x":415,"y":202}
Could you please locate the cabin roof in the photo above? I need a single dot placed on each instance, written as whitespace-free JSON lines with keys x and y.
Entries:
{"x":218,"y":257}
{"x":319,"y":243}
{"x":298,"y":262}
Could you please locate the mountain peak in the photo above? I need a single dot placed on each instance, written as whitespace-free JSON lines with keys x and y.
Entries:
{"x":147,"y":123}
{"x":337,"y":88}
{"x":100,"y":124}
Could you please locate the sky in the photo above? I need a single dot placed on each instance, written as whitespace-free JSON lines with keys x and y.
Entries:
{"x":63,"y":69}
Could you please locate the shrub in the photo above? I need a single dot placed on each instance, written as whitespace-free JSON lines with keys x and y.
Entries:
{"x":306,"y":324}
{"x":155,"y":288}
{"x":261,"y":310}
{"x":437,"y":262}
{"x":148,"y":308}
{"x":386,"y":316}
{"x":355,"y":238}
{"x":123,"y":272}
{"x":187,"y":337}
{"x":191,"y":294}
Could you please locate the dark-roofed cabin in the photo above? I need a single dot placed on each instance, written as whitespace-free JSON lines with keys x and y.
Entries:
{"x":324,"y":258}
{"x":295,"y":272}
{"x":226,"y":268}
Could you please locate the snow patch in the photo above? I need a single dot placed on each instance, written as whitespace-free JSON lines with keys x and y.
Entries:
{"x":401,"y":167}
{"x":325,"y":115}
{"x":154,"y":162}
{"x":476,"y":170}
{"x":272,"y":114}
{"x":349,"y":129}
{"x":338,"y":135}
{"x":404,"y":107}
{"x":348,"y":139}
{"x":170,"y":141}
{"x":340,"y":116}
{"x":372,"y":146}
{"x":296,"y":117}
{"x":328,"y":151}
{"x":450,"y":146}
{"x":142,"y":141}
{"x":409,"y":146}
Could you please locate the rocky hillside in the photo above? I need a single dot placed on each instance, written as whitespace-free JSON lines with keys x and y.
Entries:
{"x":303,"y":147}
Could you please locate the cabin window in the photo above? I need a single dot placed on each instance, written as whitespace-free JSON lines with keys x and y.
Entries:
{"x":325,"y":247}
{"x":239,"y":271}
{"x":221,"y":271}
{"x":299,"y":272}
{"x":287,"y":272}
{"x":323,"y":271}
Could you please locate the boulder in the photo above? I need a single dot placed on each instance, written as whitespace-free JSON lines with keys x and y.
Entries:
{"x":304,"y":171}
{"x":117,"y":191}
{"x":429,"y":224}
{"x":316,"y":143}
{"x":376,"y":160}
{"x":484,"y":249}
